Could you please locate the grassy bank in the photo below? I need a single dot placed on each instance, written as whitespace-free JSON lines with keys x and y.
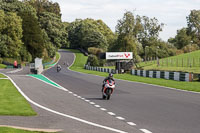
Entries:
{"x":189,"y":62}
{"x":53,"y":63}
{"x":12,"y":130}
{"x":11,"y":101}
{"x":81,"y":60}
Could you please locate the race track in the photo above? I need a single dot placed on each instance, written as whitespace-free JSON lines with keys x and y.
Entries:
{"x":157,"y":109}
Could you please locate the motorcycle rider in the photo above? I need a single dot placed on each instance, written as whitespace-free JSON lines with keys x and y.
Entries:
{"x":110,"y":77}
{"x":58,"y":68}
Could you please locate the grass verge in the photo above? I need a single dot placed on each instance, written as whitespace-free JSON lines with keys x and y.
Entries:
{"x":2,"y":76}
{"x":2,"y":66}
{"x":11,"y":101}
{"x":57,"y":58}
{"x":13,"y":130}
{"x":81,"y":60}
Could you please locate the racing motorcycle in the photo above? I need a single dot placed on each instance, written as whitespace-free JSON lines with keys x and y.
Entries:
{"x":58,"y":68}
{"x":108,"y":89}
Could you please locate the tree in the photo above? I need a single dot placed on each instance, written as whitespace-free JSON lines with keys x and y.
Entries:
{"x":32,"y":33}
{"x":10,"y":34}
{"x":193,"y":21}
{"x":181,"y":39}
{"x":127,"y":30}
{"x":54,"y":28}
{"x":44,"y":6}
{"x":150,"y":31}
{"x":84,"y":34}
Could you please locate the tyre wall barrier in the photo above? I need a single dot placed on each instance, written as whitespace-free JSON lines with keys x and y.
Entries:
{"x":178,"y":76}
{"x":100,"y":69}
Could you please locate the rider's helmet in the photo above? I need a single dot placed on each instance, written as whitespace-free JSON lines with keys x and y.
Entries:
{"x":110,"y":75}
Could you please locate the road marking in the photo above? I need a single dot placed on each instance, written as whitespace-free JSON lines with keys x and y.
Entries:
{"x":103,"y":109}
{"x":78,"y":96}
{"x":87,"y":100}
{"x":3,"y":78}
{"x":111,"y":113}
{"x":92,"y":103}
{"x":14,"y":71}
{"x":75,"y":95}
{"x":145,"y":131}
{"x":83,"y":98}
{"x":97,"y":106}
{"x":120,"y":118}
{"x":70,"y":92}
{"x":62,"y":114}
{"x":131,"y":123}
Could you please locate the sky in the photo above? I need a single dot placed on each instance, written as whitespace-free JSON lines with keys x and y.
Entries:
{"x":172,"y":13}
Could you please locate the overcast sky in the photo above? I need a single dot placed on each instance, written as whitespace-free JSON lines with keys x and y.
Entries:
{"x":170,"y":12}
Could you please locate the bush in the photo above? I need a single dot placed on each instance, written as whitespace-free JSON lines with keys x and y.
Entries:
{"x":179,"y":51}
{"x":190,"y":48}
{"x":93,"y":60}
{"x":95,"y":51}
{"x":102,"y":62}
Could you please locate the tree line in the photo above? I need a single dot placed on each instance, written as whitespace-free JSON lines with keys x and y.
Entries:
{"x":30,"y":29}
{"x":187,"y":38}
{"x":33,"y":28}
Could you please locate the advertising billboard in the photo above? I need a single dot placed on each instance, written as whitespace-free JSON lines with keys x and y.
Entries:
{"x":119,"y":55}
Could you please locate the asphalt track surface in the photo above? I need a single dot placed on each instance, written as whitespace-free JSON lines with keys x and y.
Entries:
{"x":155,"y":109}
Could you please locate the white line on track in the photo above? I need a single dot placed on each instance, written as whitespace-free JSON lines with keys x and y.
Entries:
{"x":4,"y":78}
{"x":62,"y":114}
{"x":131,"y":123}
{"x":111,"y":113}
{"x":120,"y":118}
{"x":92,"y":103}
{"x":87,"y":100}
{"x":97,"y":106}
{"x":145,"y":131}
{"x":16,"y":70}
{"x":103,"y":109}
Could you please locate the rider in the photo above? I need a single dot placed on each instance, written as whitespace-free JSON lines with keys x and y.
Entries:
{"x":110,"y":76}
{"x":58,"y":68}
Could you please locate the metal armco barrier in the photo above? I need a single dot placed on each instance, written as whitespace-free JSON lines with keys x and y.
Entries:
{"x":178,"y":76}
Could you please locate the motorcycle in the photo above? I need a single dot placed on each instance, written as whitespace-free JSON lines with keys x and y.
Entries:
{"x":108,"y":89}
{"x":58,"y":68}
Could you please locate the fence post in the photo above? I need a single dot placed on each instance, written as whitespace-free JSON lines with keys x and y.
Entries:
{"x":182,"y":62}
{"x":193,"y":62}
{"x":167,"y":62}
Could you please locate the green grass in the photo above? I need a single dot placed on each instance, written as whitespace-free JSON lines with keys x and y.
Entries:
{"x":13,"y":130}
{"x":189,"y":62}
{"x":11,"y":101}
{"x":111,"y":67}
{"x":81,"y":60}
{"x":2,"y":66}
{"x":57,"y":58}
{"x":2,"y":76}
